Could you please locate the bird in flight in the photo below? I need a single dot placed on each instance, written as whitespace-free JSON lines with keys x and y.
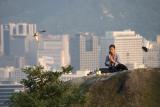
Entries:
{"x":147,"y":46}
{"x":36,"y":35}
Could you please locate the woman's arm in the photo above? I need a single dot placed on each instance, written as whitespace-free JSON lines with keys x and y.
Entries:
{"x":107,"y":61}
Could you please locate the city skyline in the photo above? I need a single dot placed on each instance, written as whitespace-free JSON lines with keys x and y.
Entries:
{"x":83,"y":50}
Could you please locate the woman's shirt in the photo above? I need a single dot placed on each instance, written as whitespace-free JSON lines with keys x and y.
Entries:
{"x":115,"y":58}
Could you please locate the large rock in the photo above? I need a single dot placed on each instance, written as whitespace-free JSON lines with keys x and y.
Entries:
{"x":138,"y":88}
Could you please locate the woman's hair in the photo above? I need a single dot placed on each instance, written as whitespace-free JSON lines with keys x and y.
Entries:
{"x":111,"y":46}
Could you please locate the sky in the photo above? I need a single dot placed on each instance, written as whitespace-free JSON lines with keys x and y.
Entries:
{"x":73,"y":16}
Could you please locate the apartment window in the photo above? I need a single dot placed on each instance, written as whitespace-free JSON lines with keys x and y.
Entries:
{"x":89,"y":44}
{"x":21,"y":29}
{"x":14,"y":30}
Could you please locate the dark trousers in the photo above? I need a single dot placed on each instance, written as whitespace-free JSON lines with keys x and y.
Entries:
{"x":117,"y":68}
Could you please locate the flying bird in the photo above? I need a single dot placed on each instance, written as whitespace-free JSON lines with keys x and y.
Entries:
{"x":147,"y":46}
{"x":36,"y":35}
{"x":145,"y":49}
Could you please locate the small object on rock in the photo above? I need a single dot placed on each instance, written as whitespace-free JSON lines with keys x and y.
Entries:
{"x":98,"y":72}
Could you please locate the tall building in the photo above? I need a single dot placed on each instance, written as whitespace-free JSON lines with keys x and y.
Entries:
{"x":5,"y":39}
{"x":21,"y":35}
{"x":152,"y":57}
{"x":14,"y":35}
{"x":84,"y":51}
{"x":15,"y":41}
{"x":128,"y":46}
{"x":53,"y":51}
{"x":74,"y":50}
{"x":18,"y":35}
{"x":65,"y":51}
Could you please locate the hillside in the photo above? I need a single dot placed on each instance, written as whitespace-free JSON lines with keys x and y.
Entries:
{"x":73,"y":16}
{"x":138,"y":88}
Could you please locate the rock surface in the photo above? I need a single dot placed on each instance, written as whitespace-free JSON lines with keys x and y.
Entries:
{"x":137,"y":88}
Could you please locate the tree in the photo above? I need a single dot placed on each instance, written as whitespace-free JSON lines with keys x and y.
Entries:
{"x":45,"y":89}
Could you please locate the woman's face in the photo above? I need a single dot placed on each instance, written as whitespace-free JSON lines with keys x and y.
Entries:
{"x":112,"y":50}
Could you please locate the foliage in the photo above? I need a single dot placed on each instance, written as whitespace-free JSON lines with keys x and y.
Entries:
{"x":45,"y":89}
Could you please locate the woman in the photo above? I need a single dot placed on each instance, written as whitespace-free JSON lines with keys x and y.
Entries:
{"x":113,"y":62}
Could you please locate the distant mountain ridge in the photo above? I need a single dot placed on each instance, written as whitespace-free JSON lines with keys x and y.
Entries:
{"x":72,"y":16}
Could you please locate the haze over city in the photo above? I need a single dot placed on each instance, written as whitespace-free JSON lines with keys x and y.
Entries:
{"x":108,"y":51}
{"x":72,"y":16}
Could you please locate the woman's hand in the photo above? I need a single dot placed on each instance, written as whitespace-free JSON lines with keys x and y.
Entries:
{"x":111,"y":59}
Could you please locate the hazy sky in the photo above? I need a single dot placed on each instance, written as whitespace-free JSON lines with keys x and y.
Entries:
{"x":72,"y":16}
